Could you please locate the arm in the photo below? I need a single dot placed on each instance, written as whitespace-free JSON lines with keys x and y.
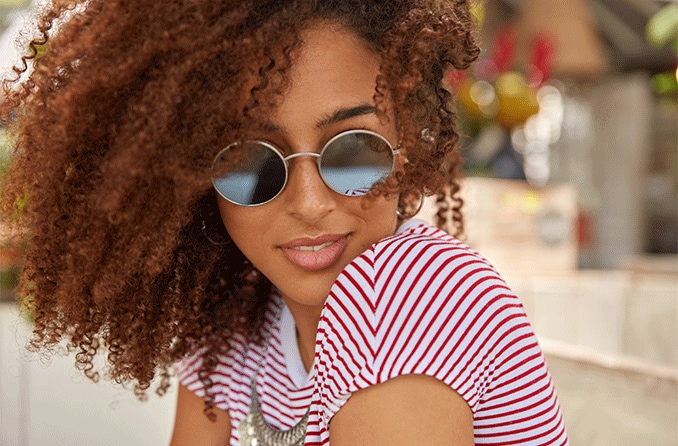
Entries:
{"x":409,"y":409}
{"x":446,"y":314}
{"x":192,"y":427}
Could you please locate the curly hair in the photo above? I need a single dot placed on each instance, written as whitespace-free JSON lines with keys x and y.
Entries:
{"x":115,"y":127}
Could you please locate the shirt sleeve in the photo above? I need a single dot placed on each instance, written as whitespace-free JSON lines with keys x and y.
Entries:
{"x":417,"y":304}
{"x":188,"y":372}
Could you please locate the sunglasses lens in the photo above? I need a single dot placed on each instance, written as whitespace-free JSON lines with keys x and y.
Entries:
{"x":355,"y":162}
{"x":249,"y":173}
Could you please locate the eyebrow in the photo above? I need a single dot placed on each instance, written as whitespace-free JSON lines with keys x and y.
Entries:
{"x":341,"y":114}
{"x":346,"y":113}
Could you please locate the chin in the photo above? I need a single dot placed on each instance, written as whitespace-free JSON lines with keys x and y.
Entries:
{"x":314,"y":296}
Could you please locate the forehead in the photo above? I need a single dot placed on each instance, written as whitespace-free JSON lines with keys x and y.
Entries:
{"x":333,"y":69}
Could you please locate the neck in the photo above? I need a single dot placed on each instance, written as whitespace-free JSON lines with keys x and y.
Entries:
{"x":306,"y":319}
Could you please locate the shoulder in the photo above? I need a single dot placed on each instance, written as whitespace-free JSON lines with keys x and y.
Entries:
{"x":417,"y":267}
{"x":421,"y":255}
{"x":190,"y":370}
{"x":423,"y":302}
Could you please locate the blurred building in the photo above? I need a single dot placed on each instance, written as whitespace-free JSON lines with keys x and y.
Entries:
{"x":582,"y":92}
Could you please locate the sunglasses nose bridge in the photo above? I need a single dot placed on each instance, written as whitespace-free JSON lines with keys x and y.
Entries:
{"x":317,"y":157}
{"x":297,"y":155}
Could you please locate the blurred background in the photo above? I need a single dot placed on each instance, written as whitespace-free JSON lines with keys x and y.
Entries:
{"x":570,"y":124}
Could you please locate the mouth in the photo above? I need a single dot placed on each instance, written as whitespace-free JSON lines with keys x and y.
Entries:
{"x":315,"y":248}
{"x":315,"y":253}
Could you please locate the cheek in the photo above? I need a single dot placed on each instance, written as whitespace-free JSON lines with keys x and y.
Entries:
{"x":228,"y":214}
{"x":380,"y":214}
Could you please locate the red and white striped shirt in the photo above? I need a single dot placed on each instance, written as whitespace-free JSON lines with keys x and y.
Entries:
{"x":417,"y":302}
{"x":283,"y":386}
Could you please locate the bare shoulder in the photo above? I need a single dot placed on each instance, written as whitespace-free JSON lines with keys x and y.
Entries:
{"x":192,"y":427}
{"x":404,"y":411}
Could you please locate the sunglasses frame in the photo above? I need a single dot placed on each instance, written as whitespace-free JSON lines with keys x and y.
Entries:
{"x":286,"y":159}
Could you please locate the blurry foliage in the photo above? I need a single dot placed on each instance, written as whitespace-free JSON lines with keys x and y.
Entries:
{"x":662,"y":29}
{"x":9,"y":8}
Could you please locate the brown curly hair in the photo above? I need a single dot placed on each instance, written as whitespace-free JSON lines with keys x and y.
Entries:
{"x":116,"y":124}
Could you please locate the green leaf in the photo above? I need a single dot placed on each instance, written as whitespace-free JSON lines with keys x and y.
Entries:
{"x":663,"y":26}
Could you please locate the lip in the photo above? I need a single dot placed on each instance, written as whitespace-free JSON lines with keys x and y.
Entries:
{"x":311,"y":260}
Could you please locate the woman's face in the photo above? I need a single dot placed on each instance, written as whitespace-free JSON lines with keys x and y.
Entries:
{"x":302,"y":239}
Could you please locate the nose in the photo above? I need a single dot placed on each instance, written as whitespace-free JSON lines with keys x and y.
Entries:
{"x":307,"y":196}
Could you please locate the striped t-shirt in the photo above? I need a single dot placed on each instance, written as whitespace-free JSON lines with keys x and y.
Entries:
{"x":416,"y":302}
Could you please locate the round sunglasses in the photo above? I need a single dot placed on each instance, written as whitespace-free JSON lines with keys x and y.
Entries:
{"x":352,"y":163}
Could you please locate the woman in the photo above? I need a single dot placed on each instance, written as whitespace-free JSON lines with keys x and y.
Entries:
{"x":225,"y":185}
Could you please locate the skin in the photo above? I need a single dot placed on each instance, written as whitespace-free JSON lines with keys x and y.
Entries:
{"x":332,"y":89}
{"x":328,"y":79}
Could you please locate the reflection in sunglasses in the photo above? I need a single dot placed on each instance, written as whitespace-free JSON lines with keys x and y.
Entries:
{"x":255,"y":172}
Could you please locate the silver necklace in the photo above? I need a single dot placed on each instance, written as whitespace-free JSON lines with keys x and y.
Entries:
{"x":254,"y":430}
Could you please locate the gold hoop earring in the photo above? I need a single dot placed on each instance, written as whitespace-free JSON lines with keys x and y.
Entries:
{"x":406,"y":209}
